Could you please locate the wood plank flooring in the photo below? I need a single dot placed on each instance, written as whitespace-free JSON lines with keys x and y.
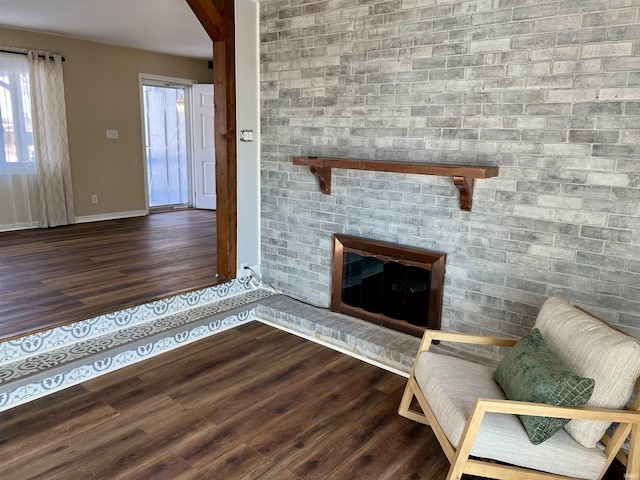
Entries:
{"x":249,"y":403}
{"x":252,"y":403}
{"x":51,"y":277}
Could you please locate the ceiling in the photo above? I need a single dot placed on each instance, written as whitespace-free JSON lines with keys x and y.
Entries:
{"x":166,"y":26}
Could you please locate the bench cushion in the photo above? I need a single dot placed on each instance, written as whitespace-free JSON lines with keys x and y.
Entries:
{"x":451,"y":386}
{"x":591,"y":349}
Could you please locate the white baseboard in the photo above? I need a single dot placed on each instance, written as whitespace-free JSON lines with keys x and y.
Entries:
{"x":110,"y":216}
{"x":17,"y":226}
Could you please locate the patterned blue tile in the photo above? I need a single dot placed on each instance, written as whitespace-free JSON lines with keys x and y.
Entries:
{"x":26,"y":346}
{"x":40,"y":362}
{"x":49,"y":361}
{"x":78,"y":374}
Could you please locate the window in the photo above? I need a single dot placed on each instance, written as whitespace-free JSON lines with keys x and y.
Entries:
{"x":17,"y":151}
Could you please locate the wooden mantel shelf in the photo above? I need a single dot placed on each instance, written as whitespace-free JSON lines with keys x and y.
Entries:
{"x":463,"y":175}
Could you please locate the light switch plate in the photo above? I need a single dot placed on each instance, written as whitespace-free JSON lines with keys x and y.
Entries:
{"x":112,"y":134}
{"x":246,"y":135}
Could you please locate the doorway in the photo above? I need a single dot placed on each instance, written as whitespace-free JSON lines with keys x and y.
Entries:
{"x":179,"y":150}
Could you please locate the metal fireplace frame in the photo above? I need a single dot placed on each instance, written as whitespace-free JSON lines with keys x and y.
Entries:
{"x":405,"y":255}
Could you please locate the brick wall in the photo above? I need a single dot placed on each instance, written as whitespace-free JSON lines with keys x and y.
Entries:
{"x":548,"y":91}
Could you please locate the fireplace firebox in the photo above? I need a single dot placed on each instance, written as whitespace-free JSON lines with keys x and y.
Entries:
{"x":396,"y":286}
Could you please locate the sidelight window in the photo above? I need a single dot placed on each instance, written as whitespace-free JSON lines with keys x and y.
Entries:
{"x":17,"y":149}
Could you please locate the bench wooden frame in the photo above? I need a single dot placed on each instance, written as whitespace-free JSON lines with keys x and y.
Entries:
{"x":461,"y":463}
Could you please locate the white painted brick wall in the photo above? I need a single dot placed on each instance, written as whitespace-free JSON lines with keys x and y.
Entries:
{"x":549,"y":92}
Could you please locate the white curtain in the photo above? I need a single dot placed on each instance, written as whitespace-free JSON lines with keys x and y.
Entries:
{"x":55,"y":196}
{"x":18,"y":183}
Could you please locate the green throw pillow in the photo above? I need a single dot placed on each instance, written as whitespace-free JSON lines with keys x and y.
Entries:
{"x":531,"y":372}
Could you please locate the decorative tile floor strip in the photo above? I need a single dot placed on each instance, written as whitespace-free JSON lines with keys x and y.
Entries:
{"x":114,"y":359}
{"x":86,"y":348}
{"x":50,"y":371}
{"x":388,"y":348}
{"x":30,"y":345}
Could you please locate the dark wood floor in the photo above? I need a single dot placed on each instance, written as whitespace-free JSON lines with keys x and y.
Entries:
{"x":50,"y":277}
{"x":249,"y":403}
{"x":252,"y":403}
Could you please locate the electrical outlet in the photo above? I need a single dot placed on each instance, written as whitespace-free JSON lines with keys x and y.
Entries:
{"x":112,"y":134}
{"x":94,"y":199}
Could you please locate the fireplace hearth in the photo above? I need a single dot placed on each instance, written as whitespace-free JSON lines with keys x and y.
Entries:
{"x":393,"y":285}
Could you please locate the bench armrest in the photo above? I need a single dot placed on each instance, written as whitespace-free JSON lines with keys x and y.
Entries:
{"x":486,"y":405}
{"x":441,"y":336}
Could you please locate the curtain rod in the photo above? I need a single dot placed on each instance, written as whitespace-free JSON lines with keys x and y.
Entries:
{"x":25,"y":53}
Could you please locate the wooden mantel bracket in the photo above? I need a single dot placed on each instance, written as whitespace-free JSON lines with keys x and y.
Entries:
{"x":465,"y":187}
{"x":323,"y":174}
{"x":463,"y":175}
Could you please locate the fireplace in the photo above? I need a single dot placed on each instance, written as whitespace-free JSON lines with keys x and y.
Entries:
{"x":396,"y":286}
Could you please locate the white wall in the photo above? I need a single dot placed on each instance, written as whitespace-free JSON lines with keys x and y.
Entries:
{"x":248,"y":118}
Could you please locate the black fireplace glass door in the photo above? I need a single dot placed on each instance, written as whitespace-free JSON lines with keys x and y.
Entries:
{"x":390,"y":288}
{"x":351,"y":279}
{"x":406,"y":293}
{"x":362,"y":280}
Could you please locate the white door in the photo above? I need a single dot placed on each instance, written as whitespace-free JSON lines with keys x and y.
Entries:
{"x":204,"y":156}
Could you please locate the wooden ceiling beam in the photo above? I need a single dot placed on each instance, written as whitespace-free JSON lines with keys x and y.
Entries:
{"x":210,"y":16}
